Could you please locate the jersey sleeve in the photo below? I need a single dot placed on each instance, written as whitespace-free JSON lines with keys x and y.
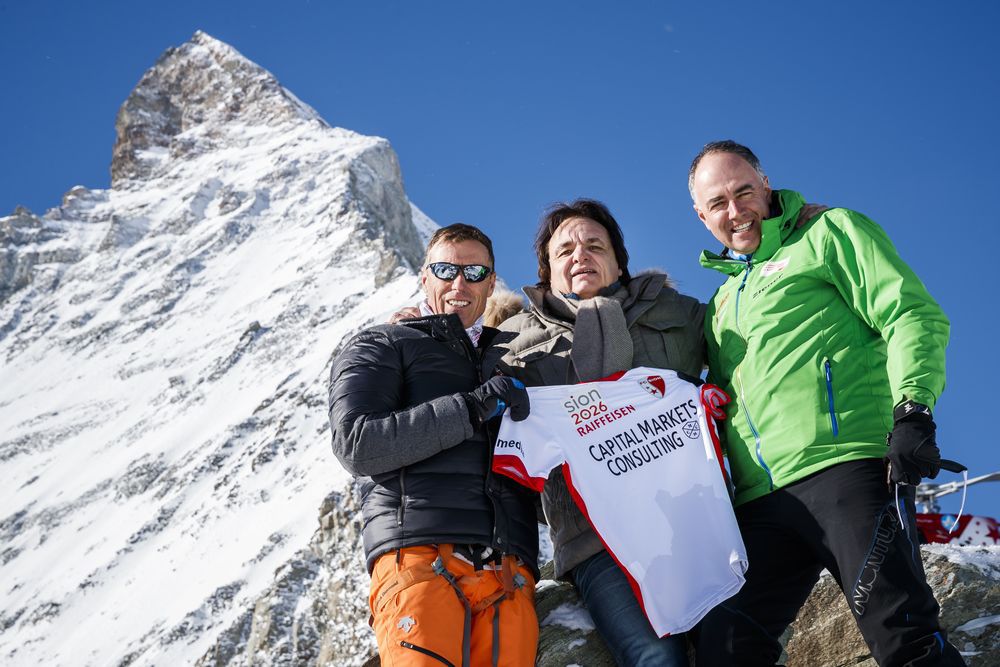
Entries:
{"x":527,"y":450}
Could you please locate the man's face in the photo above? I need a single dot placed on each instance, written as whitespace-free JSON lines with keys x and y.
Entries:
{"x":581,"y":258}
{"x":459,"y":296}
{"x":731,"y":199}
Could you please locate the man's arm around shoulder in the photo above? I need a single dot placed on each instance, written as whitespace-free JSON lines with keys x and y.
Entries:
{"x":373,"y":431}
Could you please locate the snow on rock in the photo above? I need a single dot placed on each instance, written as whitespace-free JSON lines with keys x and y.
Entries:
{"x":425,"y":226}
{"x":567,"y":634}
{"x":986,"y":559}
{"x":978,"y":624}
{"x":574,"y":617}
{"x":164,"y":349}
{"x":198,"y":95}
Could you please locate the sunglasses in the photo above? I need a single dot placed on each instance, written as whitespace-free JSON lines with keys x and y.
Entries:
{"x":474,"y":273}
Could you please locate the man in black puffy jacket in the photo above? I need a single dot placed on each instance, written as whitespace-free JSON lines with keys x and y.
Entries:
{"x":451,"y":547}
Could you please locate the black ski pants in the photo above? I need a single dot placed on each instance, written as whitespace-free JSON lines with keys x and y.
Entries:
{"x":843,"y":519}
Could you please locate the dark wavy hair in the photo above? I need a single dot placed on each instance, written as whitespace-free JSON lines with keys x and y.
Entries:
{"x":591,"y":209}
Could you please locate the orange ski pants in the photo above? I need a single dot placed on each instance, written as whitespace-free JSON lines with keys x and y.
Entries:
{"x":430,"y":608}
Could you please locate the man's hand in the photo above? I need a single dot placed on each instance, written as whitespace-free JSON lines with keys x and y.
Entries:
{"x":407,"y":313}
{"x":713,"y":399}
{"x":494,"y":396}
{"x":913,"y":451}
{"x":808,"y":212}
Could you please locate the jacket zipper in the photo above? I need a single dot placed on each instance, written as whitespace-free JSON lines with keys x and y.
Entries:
{"x":427,"y":652}
{"x":829,"y":395}
{"x":477,"y":359}
{"x":739,"y":382}
{"x":402,"y":497}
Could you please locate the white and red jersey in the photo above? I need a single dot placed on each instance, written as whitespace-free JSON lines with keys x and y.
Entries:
{"x":642,"y":460}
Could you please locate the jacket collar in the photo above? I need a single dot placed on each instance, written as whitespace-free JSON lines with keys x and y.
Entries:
{"x":774,"y":231}
{"x":438,"y":327}
{"x":641,"y":289}
{"x":448,"y":328}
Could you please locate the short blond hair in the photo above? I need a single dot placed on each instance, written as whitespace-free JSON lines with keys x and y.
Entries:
{"x":457,"y":233}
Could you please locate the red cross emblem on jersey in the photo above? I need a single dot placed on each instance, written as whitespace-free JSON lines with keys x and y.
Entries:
{"x":654,"y":384}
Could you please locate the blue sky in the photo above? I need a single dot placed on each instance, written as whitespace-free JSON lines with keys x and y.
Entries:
{"x":499,"y":109}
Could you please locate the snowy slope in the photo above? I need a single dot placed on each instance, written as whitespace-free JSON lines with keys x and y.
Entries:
{"x":164,"y":346}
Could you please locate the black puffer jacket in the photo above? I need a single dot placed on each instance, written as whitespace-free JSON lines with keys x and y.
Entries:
{"x":401,"y":424}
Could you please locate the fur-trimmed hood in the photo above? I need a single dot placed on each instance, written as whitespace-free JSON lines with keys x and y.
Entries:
{"x":503,"y":303}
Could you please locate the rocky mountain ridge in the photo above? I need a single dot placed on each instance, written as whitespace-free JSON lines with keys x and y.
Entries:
{"x":164,"y":346}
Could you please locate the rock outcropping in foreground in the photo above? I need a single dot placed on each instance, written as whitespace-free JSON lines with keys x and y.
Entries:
{"x":966,"y":581}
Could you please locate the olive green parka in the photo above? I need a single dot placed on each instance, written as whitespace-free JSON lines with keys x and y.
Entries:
{"x":666,"y":331}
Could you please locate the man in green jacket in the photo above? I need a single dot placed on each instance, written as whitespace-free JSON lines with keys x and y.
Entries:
{"x":827,"y":342}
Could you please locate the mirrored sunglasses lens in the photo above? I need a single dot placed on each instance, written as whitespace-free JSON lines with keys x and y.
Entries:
{"x":444,"y":270}
{"x":474,"y":273}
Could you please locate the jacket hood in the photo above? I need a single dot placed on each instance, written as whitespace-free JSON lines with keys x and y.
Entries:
{"x":502,"y":304}
{"x":774,"y":232}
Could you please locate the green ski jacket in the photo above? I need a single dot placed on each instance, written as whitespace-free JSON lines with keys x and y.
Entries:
{"x":816,"y":338}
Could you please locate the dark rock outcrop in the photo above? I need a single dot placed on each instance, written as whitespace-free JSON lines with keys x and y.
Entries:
{"x":23,"y":246}
{"x":314,"y":612}
{"x":202,"y":83}
{"x":966,"y":581}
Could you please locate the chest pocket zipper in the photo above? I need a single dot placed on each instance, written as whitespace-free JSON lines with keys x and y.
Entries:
{"x":828,"y":372}
{"x":427,"y":652}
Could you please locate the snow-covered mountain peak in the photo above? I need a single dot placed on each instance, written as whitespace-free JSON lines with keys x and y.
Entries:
{"x":192,"y":99}
{"x":164,"y":349}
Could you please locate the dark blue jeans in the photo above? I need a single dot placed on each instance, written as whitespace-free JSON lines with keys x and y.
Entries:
{"x":619,"y":618}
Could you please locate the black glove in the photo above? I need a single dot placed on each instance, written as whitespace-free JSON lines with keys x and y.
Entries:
{"x":913,"y":452}
{"x":494,"y":396}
